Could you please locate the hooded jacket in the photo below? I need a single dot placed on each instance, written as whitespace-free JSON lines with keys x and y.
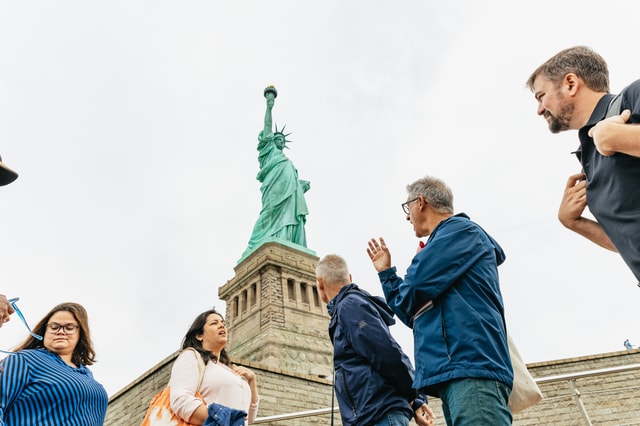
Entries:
{"x":463,"y":335}
{"x":372,"y":373}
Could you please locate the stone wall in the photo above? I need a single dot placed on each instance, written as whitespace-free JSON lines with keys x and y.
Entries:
{"x":128,"y":406}
{"x":609,"y":398}
{"x":280,"y":392}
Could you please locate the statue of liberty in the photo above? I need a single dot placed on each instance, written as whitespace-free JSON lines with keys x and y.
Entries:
{"x":284,"y":210}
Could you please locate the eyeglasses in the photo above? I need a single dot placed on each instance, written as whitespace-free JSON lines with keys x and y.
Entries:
{"x":54,"y":327}
{"x":12,"y":302}
{"x":405,"y":206}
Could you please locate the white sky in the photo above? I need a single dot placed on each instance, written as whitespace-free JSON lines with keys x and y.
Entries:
{"x":133,"y":126}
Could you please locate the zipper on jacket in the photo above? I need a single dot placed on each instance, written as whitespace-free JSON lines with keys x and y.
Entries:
{"x":444,"y":336}
{"x":346,"y":389}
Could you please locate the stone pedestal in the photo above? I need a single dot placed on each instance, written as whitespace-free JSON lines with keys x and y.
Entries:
{"x":274,"y":312}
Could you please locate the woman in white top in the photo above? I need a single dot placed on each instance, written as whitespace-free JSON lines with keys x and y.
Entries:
{"x":222,"y":383}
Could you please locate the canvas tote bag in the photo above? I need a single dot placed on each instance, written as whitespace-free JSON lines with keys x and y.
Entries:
{"x":160,"y":413}
{"x":525,"y":392}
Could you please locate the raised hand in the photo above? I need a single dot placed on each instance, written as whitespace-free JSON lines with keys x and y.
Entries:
{"x":379,"y":254}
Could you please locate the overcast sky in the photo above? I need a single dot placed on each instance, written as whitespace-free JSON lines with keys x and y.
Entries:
{"x":133,"y":125}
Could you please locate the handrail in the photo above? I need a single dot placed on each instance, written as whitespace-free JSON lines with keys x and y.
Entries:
{"x":591,"y":373}
{"x":295,"y":415}
{"x":539,"y":380}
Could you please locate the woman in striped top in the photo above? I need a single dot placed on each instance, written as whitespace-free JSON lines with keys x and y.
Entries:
{"x":47,"y":382}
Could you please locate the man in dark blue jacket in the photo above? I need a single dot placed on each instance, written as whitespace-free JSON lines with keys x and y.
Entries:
{"x":373,"y":376}
{"x":450,"y":297}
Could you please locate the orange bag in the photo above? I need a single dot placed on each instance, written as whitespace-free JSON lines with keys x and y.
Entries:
{"x":160,"y":413}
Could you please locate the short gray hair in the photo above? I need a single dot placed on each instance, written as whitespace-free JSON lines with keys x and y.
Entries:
{"x":434,"y":191}
{"x":580,"y":60}
{"x":333,"y":269}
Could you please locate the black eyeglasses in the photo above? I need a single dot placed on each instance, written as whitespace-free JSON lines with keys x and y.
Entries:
{"x":12,"y":302}
{"x":54,"y":327}
{"x":405,"y":206}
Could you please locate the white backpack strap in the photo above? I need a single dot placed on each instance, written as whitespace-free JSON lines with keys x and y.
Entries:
{"x":201,"y":365}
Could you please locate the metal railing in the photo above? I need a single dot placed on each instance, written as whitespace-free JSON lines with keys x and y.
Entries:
{"x":570,"y":377}
{"x":296,"y":415}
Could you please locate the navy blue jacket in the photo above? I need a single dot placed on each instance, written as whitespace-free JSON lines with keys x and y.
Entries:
{"x":220,"y":415}
{"x":373,"y":374}
{"x":464,"y":334}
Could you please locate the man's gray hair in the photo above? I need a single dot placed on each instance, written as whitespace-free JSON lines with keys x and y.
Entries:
{"x":435,"y":192}
{"x":333,"y":269}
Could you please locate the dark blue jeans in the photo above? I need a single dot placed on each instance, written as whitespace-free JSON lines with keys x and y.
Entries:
{"x":475,"y":402}
{"x":394,"y":418}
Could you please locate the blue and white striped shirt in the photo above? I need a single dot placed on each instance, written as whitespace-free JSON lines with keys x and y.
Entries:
{"x":38,"y":388}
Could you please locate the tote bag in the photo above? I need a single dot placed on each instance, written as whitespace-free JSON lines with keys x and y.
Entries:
{"x":160,"y":413}
{"x":525,"y":392}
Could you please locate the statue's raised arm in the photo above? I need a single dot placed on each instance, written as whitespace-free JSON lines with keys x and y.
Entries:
{"x":270,"y":94}
{"x":284,"y":209}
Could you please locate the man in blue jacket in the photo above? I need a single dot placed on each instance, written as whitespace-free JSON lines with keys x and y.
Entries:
{"x":450,"y":297}
{"x":373,"y":376}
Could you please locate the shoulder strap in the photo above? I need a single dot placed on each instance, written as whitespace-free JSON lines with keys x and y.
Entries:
{"x":201,"y":365}
{"x":615,"y":106}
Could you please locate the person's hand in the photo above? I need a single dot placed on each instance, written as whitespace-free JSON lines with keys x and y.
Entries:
{"x":574,"y":200}
{"x":5,"y":309}
{"x":424,"y":416}
{"x":603,"y":133}
{"x":379,"y":254}
{"x":244,"y":372}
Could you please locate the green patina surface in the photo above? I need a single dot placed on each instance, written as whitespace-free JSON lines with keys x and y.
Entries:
{"x":283,"y":214}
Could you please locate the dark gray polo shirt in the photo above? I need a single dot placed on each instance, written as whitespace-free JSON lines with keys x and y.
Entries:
{"x":613,"y":183}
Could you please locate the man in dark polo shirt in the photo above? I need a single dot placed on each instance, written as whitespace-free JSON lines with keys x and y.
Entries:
{"x":6,"y":177}
{"x":572,"y":91}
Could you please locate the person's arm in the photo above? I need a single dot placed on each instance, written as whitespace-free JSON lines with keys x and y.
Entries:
{"x":252,"y":380}
{"x":574,"y":201}
{"x":183,"y":384}
{"x":250,"y":377}
{"x":376,"y":345}
{"x":448,"y":256}
{"x":613,"y":135}
{"x":268,"y":121}
{"x":373,"y":342}
{"x":5,"y":309}
{"x":13,"y":381}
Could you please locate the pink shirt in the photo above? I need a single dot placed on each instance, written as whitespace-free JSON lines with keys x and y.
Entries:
{"x":219,"y":384}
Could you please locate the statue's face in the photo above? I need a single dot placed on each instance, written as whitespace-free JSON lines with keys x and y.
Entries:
{"x":279,"y":141}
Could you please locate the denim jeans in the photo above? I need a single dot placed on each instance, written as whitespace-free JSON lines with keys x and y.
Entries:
{"x":394,"y":418}
{"x":475,"y":402}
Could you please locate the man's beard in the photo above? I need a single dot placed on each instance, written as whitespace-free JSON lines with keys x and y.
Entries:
{"x":562,"y":121}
